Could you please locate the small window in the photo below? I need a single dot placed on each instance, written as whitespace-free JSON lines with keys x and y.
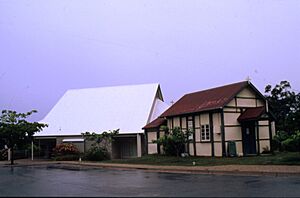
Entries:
{"x":190,"y":124}
{"x":190,"y":127}
{"x":205,"y":132}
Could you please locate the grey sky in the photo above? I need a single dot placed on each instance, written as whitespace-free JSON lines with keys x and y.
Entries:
{"x":47,"y":47}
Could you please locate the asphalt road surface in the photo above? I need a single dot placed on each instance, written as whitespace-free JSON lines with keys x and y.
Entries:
{"x":52,"y":181}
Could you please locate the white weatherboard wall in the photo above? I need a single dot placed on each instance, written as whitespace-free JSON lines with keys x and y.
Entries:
{"x":101,"y":109}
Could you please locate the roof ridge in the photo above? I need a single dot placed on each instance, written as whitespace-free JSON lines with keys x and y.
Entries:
{"x":113,"y":86}
{"x":206,"y":100}
{"x":209,"y":89}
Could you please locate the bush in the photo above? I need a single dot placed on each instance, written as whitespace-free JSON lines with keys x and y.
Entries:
{"x":292,"y":143}
{"x":277,"y":141}
{"x":174,"y":142}
{"x":66,"y":157}
{"x":169,"y":146}
{"x":65,"y":151}
{"x":36,"y":148}
{"x":96,"y":153}
{"x":3,"y":154}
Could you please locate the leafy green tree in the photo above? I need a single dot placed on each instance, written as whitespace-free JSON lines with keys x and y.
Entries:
{"x":292,"y":143}
{"x":16,"y":130}
{"x":99,"y":149}
{"x":285,"y":104}
{"x":101,"y":139}
{"x":174,"y":141}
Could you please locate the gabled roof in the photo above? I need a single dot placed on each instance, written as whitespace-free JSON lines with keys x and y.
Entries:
{"x":158,"y":108}
{"x":155,"y":123}
{"x":251,"y":114}
{"x":128,"y":108}
{"x":206,"y":100}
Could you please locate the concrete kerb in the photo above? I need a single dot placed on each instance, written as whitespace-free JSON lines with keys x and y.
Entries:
{"x":241,"y":170}
{"x":223,"y":170}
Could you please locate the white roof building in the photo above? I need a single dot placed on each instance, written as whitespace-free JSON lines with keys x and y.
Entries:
{"x":128,"y":108}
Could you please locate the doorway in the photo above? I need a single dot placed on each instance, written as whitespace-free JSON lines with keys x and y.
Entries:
{"x":249,"y":138}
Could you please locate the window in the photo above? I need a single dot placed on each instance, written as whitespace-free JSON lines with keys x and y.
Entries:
{"x":190,"y":126}
{"x":205,"y":132}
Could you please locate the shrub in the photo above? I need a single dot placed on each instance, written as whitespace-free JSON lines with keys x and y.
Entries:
{"x":173,"y":142}
{"x":292,"y":143}
{"x":169,"y":146}
{"x":65,"y":151}
{"x":36,"y":148}
{"x":96,"y":153}
{"x":277,"y":141}
{"x":66,"y":157}
{"x":3,"y":154}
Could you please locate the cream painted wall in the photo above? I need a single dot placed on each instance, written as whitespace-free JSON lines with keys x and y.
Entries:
{"x":197,"y":121}
{"x":217,"y":120}
{"x":203,"y":149}
{"x":183,"y":122}
{"x":263,"y":144}
{"x":151,"y":136}
{"x":217,"y":136}
{"x":233,"y":133}
{"x":152,"y":148}
{"x":204,"y":118}
{"x":197,"y":133}
{"x":231,"y":103}
{"x":260,"y":103}
{"x":218,"y":149}
{"x":263,"y":122}
{"x":247,"y":92}
{"x":231,"y":118}
{"x":263,"y":132}
{"x":191,"y":147}
{"x":239,"y":148}
{"x":217,"y":126}
{"x":245,"y":102}
{"x":176,"y":121}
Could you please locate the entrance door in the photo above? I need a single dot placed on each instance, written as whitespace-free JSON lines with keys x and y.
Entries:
{"x":128,"y":148}
{"x":249,"y":143}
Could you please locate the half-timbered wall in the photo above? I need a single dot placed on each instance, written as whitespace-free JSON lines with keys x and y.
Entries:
{"x":211,"y":123}
{"x":233,"y":131}
{"x":199,"y":146}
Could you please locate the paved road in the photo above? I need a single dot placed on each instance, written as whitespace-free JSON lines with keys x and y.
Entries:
{"x":52,"y":181}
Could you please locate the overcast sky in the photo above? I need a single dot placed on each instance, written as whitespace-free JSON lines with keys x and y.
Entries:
{"x":50,"y":46}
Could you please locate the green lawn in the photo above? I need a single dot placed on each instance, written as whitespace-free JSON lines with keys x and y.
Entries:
{"x":285,"y":158}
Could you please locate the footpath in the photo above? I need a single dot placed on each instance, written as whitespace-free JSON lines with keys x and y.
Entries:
{"x":255,"y":170}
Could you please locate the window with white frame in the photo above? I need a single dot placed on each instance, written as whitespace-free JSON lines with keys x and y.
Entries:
{"x":190,"y":126}
{"x":205,"y":132}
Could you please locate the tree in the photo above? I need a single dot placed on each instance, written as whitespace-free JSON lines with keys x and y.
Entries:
{"x":16,"y":130}
{"x":102,"y":141}
{"x":285,"y":104}
{"x":174,"y":141}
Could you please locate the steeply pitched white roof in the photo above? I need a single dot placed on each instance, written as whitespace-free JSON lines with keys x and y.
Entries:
{"x":158,"y":109}
{"x":128,"y":108}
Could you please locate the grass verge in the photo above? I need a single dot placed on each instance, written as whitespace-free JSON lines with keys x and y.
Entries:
{"x":284,"y":158}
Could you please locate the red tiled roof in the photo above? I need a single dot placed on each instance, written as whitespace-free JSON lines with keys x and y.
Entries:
{"x":155,"y":123}
{"x":205,"y":100}
{"x":251,"y":114}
